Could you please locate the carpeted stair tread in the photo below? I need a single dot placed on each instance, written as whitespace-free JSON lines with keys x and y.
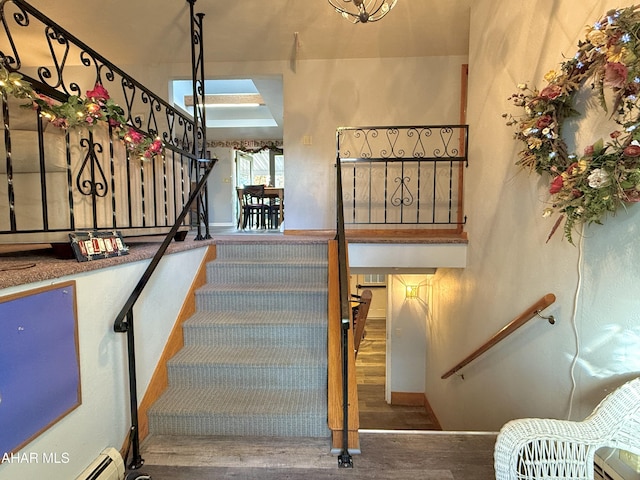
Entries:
{"x":280,"y":272}
{"x":220,"y":411}
{"x":255,"y":357}
{"x":308,"y":262}
{"x":254,"y":360}
{"x":256,"y":329}
{"x":233,"y":400}
{"x":262,"y":288}
{"x":293,"y":318}
{"x":258,"y":368}
{"x":272,"y":251}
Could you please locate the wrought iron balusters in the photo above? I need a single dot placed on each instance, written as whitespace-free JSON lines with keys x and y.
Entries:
{"x":403,"y":175}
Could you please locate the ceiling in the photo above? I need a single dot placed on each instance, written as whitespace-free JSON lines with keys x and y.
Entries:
{"x":158,"y":32}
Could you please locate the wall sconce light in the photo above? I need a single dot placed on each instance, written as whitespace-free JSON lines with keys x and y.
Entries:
{"x":412,"y":291}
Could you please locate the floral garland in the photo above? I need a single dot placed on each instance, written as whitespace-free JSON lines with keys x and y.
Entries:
{"x":98,"y":106}
{"x":585,"y":188}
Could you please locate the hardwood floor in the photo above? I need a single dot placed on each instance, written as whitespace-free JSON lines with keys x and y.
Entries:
{"x":424,"y":455}
{"x":375,"y":412}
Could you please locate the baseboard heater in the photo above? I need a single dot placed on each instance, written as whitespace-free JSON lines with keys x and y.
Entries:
{"x":108,"y":466}
{"x":609,"y":466}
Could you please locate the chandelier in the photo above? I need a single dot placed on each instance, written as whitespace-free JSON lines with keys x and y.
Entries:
{"x":363,"y":11}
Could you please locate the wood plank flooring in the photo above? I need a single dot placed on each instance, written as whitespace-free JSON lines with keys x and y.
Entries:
{"x":385,"y":456}
{"x":375,"y":412}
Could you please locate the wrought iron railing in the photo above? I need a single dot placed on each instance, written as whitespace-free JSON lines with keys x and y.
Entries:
{"x":57,"y":181}
{"x":344,"y":459}
{"x":403,"y":176}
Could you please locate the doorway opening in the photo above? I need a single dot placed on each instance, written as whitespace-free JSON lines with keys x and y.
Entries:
{"x":379,"y":407}
{"x":265,"y":167}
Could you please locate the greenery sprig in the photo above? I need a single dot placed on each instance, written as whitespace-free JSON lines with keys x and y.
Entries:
{"x":82,"y":112}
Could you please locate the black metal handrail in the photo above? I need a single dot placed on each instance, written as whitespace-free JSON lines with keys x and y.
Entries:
{"x":143,"y":108}
{"x":344,"y":459}
{"x":124,"y":322}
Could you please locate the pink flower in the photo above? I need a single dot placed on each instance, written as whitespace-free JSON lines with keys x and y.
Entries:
{"x":615,"y":75}
{"x":156,"y":146}
{"x":588,"y":151}
{"x":556,"y":185}
{"x":632,"y":151}
{"x":134,"y":136}
{"x":550,"y":92}
{"x":98,"y":93}
{"x":544,"y":121}
{"x":60,"y":122}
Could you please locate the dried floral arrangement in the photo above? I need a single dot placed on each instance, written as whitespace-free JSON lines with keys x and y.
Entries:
{"x":587,"y":187}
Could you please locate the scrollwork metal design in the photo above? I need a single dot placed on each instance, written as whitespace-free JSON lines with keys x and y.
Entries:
{"x":56,"y":49}
{"x":402,"y":195}
{"x":423,"y":163}
{"x":446,"y":134}
{"x":92,"y":186}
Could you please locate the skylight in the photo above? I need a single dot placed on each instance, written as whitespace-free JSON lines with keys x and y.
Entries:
{"x":233,"y":103}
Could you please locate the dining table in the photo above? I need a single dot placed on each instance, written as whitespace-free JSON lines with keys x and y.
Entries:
{"x":270,"y":193}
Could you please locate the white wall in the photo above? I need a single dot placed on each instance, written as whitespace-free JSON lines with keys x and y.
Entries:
{"x":222,"y":195}
{"x":322,"y":95}
{"x":509,"y":264}
{"x":407,"y":335}
{"x":103,"y":417}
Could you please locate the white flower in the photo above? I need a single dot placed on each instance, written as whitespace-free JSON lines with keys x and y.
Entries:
{"x":598,"y":178}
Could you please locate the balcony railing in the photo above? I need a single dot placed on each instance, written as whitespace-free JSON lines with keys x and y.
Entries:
{"x":403,"y":177}
{"x":54,"y":181}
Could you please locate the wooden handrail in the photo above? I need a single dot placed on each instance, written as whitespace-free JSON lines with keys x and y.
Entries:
{"x":507,"y":330}
{"x":361,"y":318}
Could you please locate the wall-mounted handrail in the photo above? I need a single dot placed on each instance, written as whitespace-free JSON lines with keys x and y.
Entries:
{"x":533,"y":311}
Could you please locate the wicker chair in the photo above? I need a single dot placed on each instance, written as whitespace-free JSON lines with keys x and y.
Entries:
{"x":536,"y":449}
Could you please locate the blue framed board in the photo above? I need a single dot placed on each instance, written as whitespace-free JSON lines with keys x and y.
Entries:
{"x":39,"y":362}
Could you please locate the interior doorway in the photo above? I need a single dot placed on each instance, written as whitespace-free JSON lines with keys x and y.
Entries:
{"x":260,"y":167}
{"x":264,"y":167}
{"x":373,"y":366}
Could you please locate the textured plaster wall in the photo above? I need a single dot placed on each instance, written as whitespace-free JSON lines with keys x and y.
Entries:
{"x":322,"y":95}
{"x":319,"y":96}
{"x":596,"y":338}
{"x":102,"y":419}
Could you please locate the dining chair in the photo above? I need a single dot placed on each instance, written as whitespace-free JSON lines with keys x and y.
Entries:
{"x":254,"y":209}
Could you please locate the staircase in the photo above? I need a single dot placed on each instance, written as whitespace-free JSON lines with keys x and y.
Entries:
{"x":254,"y":362}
